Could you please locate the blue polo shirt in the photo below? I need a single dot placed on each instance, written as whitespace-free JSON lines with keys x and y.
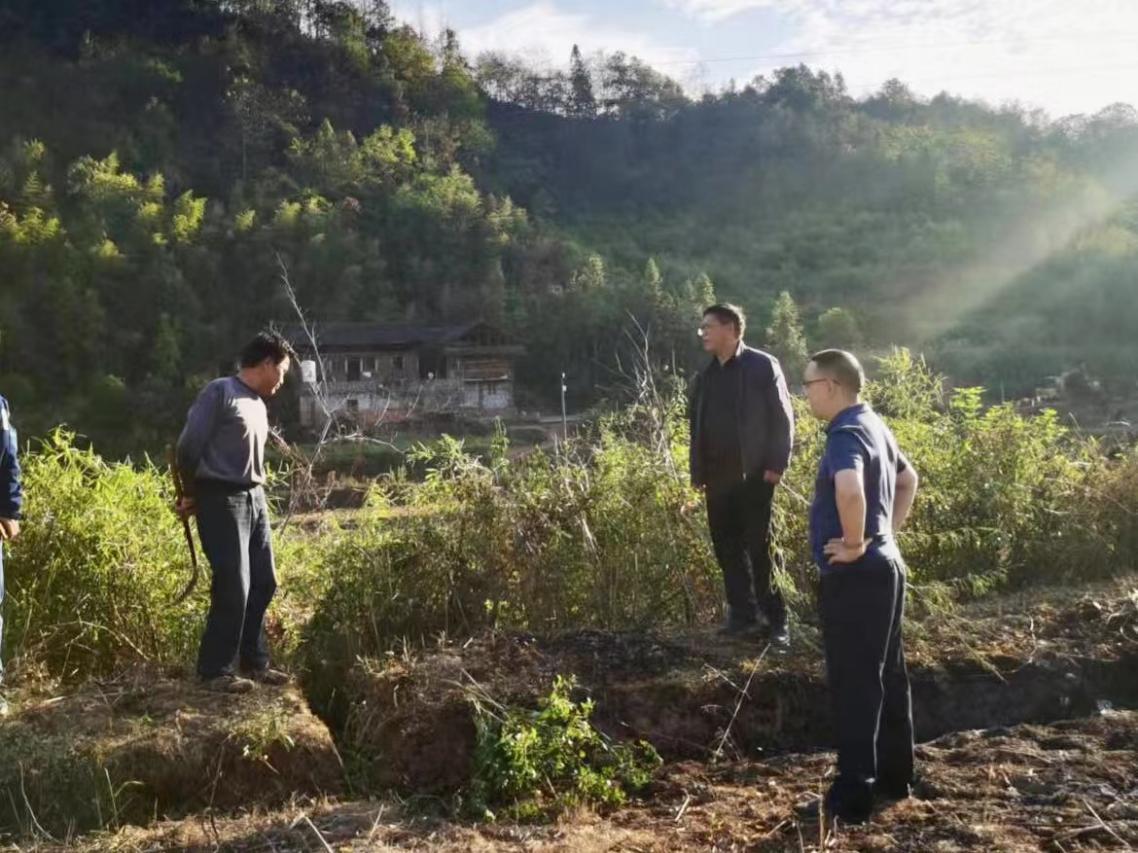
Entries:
{"x":857,"y":439}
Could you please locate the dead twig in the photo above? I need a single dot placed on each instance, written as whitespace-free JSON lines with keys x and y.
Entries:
{"x":743,"y":694}
{"x":31,"y":812}
{"x":304,"y":818}
{"x":1102,"y":823}
{"x":683,"y":808}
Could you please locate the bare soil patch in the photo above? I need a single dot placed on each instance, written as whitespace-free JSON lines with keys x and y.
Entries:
{"x":1071,"y":785}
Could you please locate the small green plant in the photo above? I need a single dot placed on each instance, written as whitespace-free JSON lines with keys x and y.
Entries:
{"x":533,"y":764}
{"x":261,"y":732}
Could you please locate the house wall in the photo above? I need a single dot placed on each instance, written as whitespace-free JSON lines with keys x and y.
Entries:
{"x":395,"y":391}
{"x":385,"y":367}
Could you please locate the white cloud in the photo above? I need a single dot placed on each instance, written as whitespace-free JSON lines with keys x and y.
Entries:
{"x":543,"y":33}
{"x":426,"y":17}
{"x":713,"y":11}
{"x":1063,"y":56}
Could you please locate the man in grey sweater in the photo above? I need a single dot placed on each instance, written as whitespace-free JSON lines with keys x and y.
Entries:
{"x":221,"y":456}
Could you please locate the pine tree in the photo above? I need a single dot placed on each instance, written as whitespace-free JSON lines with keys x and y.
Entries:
{"x":785,"y":338}
{"x":838,"y":328}
{"x":702,"y":291}
{"x":166,"y":353}
{"x":494,"y":294}
{"x":583,"y":103}
{"x":652,"y":281}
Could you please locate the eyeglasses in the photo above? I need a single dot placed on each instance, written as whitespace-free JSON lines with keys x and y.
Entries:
{"x":707,"y":325}
{"x":806,"y":384}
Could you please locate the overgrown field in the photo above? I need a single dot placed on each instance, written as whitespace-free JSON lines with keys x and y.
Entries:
{"x":603,"y":532}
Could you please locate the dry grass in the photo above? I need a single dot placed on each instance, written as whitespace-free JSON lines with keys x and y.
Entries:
{"x":143,"y":745}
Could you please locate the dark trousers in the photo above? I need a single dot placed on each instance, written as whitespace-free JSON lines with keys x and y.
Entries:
{"x":739,"y":515}
{"x":862,"y":607}
{"x":234,"y":530}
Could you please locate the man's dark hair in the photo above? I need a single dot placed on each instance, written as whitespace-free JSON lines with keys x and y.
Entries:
{"x":725,"y":312}
{"x":266,"y":345}
{"x":842,"y":366}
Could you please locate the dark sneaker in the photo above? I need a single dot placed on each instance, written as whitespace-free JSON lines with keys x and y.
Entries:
{"x":780,"y":639}
{"x":269,"y":676}
{"x":228,"y":683}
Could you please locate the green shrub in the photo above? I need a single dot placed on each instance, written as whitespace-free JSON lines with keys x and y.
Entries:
{"x":1004,"y":499}
{"x":595,"y":534}
{"x":537,"y":763}
{"x":91,"y":582}
{"x":92,"y":579}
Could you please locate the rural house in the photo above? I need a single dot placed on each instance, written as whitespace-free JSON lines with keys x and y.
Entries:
{"x":373,"y":372}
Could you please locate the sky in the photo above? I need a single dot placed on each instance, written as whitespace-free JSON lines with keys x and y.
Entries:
{"x":1062,"y":56}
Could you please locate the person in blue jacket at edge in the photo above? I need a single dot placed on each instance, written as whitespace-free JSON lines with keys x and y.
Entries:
{"x":11,"y":502}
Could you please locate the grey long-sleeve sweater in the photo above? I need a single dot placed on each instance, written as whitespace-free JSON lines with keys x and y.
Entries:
{"x":224,"y":437}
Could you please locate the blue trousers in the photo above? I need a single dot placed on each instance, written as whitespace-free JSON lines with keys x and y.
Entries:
{"x":233,"y":524}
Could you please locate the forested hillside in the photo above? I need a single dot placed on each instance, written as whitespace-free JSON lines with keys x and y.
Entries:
{"x":161,"y":162}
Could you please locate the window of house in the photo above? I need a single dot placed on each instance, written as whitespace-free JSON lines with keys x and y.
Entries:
{"x":352,"y":405}
{"x":355,"y":367}
{"x":397,"y":362}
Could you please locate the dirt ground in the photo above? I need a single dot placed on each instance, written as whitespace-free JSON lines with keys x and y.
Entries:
{"x":1072,"y":785}
{"x":1026,"y":706}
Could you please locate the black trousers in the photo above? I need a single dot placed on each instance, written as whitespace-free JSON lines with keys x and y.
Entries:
{"x":739,"y":516}
{"x":862,"y":606}
{"x":234,"y":530}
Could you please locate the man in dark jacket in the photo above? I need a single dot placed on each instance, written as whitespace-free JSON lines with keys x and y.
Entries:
{"x":742,"y":430}
{"x":11,"y":501}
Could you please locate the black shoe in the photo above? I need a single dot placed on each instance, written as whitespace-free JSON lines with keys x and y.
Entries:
{"x":849,"y":806}
{"x":780,"y":639}
{"x":887,"y":790}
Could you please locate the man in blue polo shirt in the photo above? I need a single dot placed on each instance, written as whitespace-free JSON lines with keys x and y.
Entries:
{"x":863,"y":494}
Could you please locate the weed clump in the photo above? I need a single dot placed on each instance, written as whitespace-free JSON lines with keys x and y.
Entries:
{"x":532,"y":764}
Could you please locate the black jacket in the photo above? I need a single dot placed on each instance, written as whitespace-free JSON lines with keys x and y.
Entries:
{"x":765,"y":416}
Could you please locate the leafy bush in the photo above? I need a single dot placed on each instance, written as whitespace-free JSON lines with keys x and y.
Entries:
{"x":596,"y":534}
{"x":1005,"y":499}
{"x":92,"y":579}
{"x":539,"y":762}
{"x":604,"y":531}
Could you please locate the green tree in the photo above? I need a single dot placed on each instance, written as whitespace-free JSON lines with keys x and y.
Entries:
{"x":838,"y":328}
{"x":702,"y":292}
{"x":785,"y":338}
{"x":583,"y":103}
